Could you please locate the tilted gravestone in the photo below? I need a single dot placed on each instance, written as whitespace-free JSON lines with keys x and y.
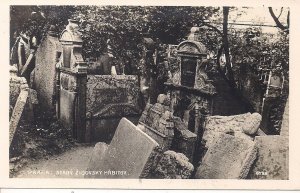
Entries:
{"x":17,"y":112}
{"x":228,"y":158}
{"x":46,"y":58}
{"x":272,"y":158}
{"x":242,"y":125}
{"x":130,"y":154}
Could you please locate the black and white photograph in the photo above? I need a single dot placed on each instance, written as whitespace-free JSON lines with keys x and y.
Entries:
{"x":149,"y":92}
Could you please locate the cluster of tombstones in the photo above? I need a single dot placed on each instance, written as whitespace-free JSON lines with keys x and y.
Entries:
{"x":161,"y":146}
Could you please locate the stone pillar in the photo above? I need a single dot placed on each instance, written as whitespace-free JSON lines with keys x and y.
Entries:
{"x":72,"y":81}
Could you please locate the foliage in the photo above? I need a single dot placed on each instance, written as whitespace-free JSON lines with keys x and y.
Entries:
{"x":36,"y":20}
{"x":125,"y":27}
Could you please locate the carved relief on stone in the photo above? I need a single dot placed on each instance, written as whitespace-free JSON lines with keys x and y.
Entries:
{"x":176,"y":74}
{"x":189,"y":48}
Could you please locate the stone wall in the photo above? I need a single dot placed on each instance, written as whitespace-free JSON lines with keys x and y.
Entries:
{"x":44,"y":72}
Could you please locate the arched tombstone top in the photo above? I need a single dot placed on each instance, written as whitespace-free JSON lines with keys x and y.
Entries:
{"x":191,"y":47}
{"x":71,"y":33}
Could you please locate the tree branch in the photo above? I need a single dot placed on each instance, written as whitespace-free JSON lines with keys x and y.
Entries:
{"x":280,"y":12}
{"x":276,"y":20}
{"x":226,"y":47}
{"x":213,"y":27}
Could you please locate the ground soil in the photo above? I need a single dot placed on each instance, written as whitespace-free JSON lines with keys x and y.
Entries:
{"x":41,"y":140}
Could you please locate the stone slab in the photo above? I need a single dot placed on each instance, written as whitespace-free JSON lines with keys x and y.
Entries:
{"x":128,"y":153}
{"x":242,"y":125}
{"x":45,"y":71}
{"x":67,"y":108}
{"x":17,"y":113}
{"x":272,"y":158}
{"x":228,"y":158}
{"x":173,"y":165}
{"x":248,"y":123}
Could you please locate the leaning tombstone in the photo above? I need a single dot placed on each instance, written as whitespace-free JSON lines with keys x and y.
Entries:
{"x":17,"y":113}
{"x":131,"y":154}
{"x":228,"y":158}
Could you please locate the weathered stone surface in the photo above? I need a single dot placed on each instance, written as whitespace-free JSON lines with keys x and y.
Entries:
{"x":128,"y":153}
{"x":228,"y":158}
{"x":173,"y":165}
{"x":285,"y":121}
{"x":108,"y":99}
{"x":226,"y":124}
{"x":44,"y":72}
{"x":243,"y":125}
{"x":156,"y":121}
{"x":251,"y":124}
{"x":260,"y":133}
{"x":17,"y":113}
{"x":98,"y":154}
{"x":66,"y":113}
{"x":272,"y":158}
{"x":184,"y":139}
{"x":15,"y":84}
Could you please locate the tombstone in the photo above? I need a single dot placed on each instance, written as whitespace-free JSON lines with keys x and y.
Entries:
{"x":228,"y":158}
{"x":44,"y":80}
{"x":108,"y":99}
{"x":18,"y":112}
{"x":156,"y":122}
{"x":272,"y":158}
{"x":15,"y":84}
{"x":242,"y":125}
{"x":173,"y":165}
{"x":168,"y":131}
{"x":72,"y":79}
{"x":130,"y":154}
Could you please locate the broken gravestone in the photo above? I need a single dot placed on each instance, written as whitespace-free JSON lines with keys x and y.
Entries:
{"x":243,"y":126}
{"x":228,"y":158}
{"x":173,"y":165}
{"x":272,"y":158}
{"x":130,"y":154}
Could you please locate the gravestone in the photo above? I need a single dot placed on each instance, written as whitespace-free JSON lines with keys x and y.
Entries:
{"x":272,"y":158}
{"x":129,"y":155}
{"x":17,"y":112}
{"x":228,"y":158}
{"x":15,"y":84}
{"x":156,"y":122}
{"x":173,"y":165}
{"x":242,"y":125}
{"x":108,"y":99}
{"x":44,"y":72}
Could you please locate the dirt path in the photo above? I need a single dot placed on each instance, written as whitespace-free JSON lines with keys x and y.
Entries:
{"x":70,"y":164}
